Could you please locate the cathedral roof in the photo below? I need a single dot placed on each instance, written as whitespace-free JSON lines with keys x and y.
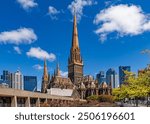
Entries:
{"x":62,"y":81}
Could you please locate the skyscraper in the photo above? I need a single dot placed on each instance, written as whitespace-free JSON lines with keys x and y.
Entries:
{"x":101,"y":77}
{"x":6,"y":77}
{"x":111,"y":78}
{"x":30,"y":83}
{"x":122,"y":75}
{"x":17,"y":80}
{"x":75,"y":63}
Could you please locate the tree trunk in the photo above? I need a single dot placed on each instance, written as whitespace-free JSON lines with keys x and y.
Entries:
{"x":136,"y":101}
{"x":147,"y":100}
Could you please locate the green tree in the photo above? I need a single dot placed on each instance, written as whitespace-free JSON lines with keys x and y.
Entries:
{"x":134,"y":87}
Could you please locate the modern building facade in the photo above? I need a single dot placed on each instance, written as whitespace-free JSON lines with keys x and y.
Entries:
{"x":17,"y":80}
{"x":111,"y":78}
{"x":122,"y":75}
{"x":101,"y":77}
{"x":30,"y":83}
{"x":6,"y":78}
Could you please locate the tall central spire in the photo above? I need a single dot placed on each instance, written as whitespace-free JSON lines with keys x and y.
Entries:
{"x":75,"y":42}
{"x":75,"y":63}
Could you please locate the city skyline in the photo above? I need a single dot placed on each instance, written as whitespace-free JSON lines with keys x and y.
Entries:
{"x":46,"y":29}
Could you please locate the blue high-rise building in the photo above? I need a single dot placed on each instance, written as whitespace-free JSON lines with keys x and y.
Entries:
{"x":30,"y":83}
{"x":122,"y":75}
{"x":101,"y":77}
{"x":112,"y":78}
{"x":6,"y":78}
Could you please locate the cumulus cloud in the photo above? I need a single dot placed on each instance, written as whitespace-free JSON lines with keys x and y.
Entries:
{"x":79,"y":5}
{"x":122,"y":19}
{"x":38,"y":67}
{"x":27,"y":4}
{"x":17,"y":49}
{"x":146,"y":26}
{"x":64,"y":73}
{"x":53,"y":12}
{"x":19,"y":36}
{"x":40,"y":54}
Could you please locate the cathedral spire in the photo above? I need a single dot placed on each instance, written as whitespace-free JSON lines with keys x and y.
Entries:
{"x":45,"y":74}
{"x":75,"y":42}
{"x":57,"y":70}
{"x":45,"y":79}
{"x":75,"y":63}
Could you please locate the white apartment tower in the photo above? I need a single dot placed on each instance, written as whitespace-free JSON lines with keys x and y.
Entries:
{"x":17,"y":80}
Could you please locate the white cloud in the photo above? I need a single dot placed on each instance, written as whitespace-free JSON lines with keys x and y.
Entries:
{"x":122,"y":19}
{"x":103,"y":37}
{"x":19,"y":36}
{"x":146,"y":26}
{"x":111,"y":2}
{"x":64,"y":73}
{"x":53,"y":12}
{"x":40,"y":54}
{"x":79,"y":6}
{"x":107,"y":3}
{"x":17,"y":49}
{"x":146,"y":51}
{"x":38,"y":67}
{"x":27,"y":4}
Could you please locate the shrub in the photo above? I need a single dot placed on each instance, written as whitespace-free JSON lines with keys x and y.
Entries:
{"x":105,"y":98}
{"x":101,"y":98}
{"x":93,"y":97}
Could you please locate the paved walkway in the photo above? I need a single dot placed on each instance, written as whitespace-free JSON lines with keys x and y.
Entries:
{"x":129,"y":105}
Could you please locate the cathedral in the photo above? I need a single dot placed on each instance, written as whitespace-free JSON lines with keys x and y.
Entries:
{"x":76,"y":84}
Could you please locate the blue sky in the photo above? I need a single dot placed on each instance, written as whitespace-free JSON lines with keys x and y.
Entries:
{"x":111,"y":33}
